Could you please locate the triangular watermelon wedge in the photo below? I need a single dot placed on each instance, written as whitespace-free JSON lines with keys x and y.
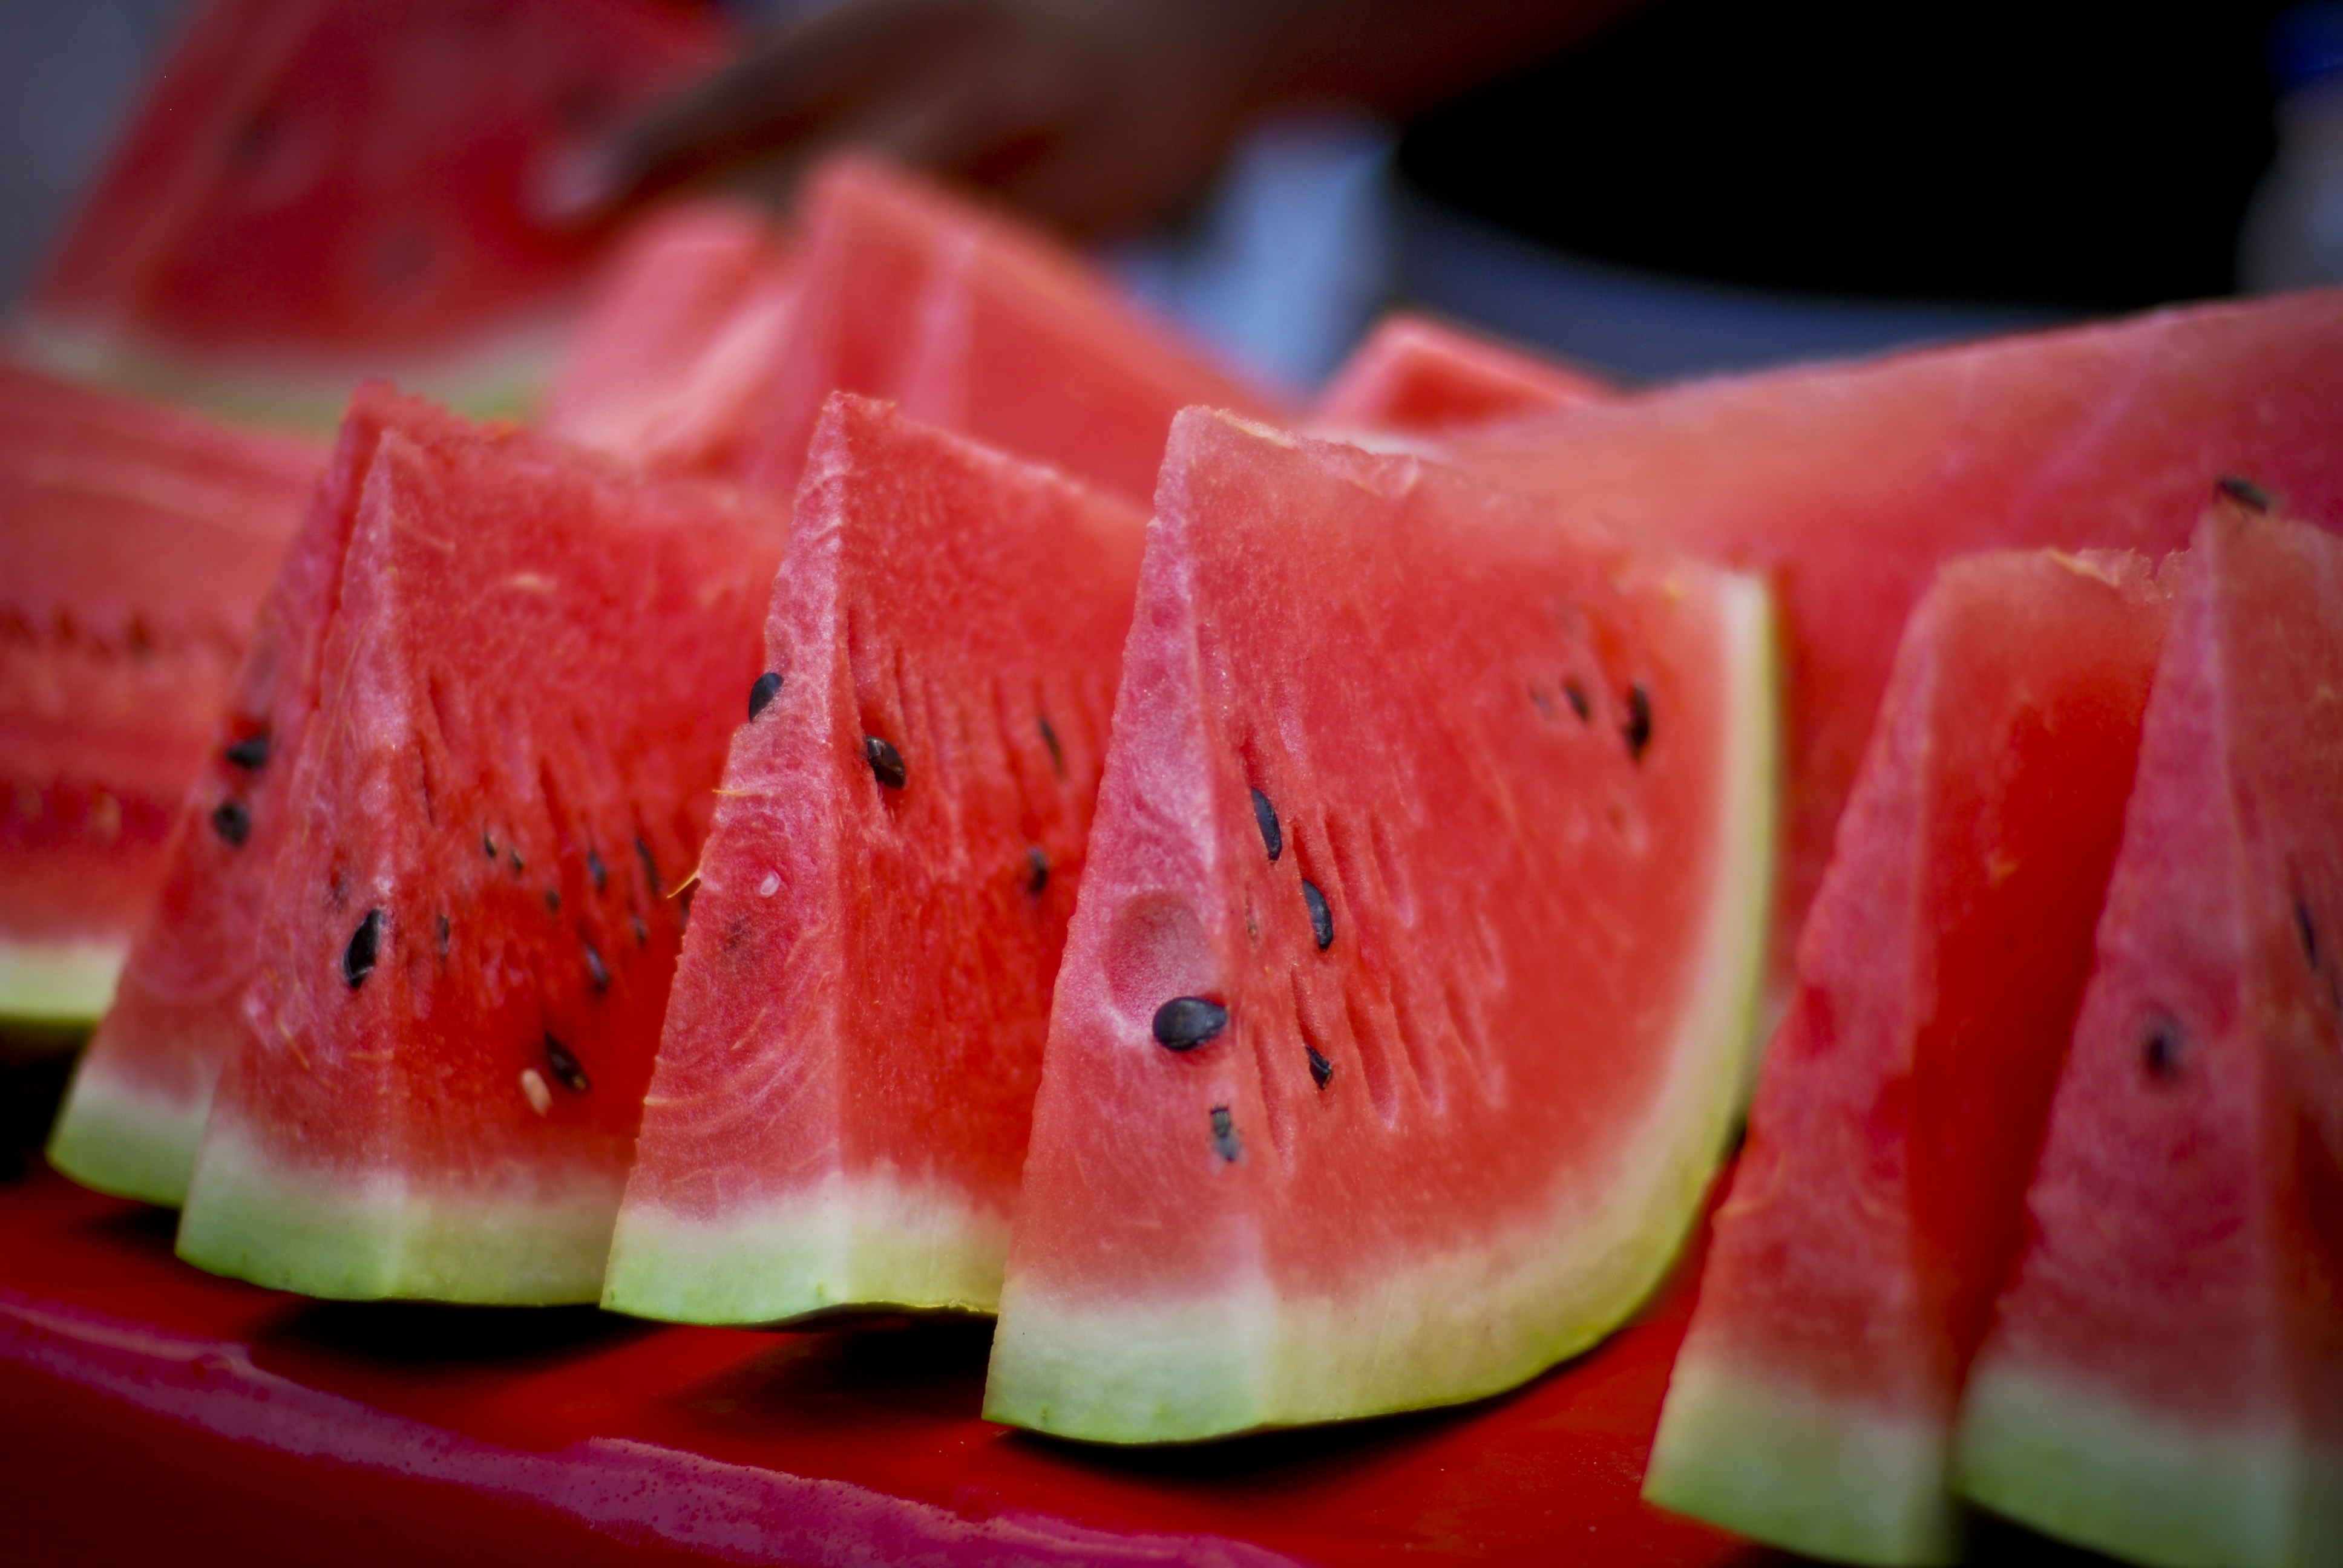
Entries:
{"x":1418,"y":376}
{"x":840,"y":1111}
{"x":523,"y":689}
{"x":136,"y":1106}
{"x":1876,"y":1206}
{"x":317,"y":191}
{"x":2164,"y":1380}
{"x":1848,"y":484}
{"x":977,"y":325}
{"x":1402,"y":1022}
{"x":136,"y":545}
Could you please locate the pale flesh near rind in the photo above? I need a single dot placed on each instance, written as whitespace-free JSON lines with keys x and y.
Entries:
{"x":1182,"y":1365}
{"x":58,"y":981}
{"x":124,"y":1139}
{"x":852,"y":1243}
{"x":537,"y":1240}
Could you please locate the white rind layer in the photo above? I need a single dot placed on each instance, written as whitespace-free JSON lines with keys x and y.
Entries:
{"x":1787,"y":1466}
{"x":539,"y":1239}
{"x":1472,"y":1322}
{"x":118,"y":1136}
{"x":2078,"y":1464}
{"x":67,"y":982}
{"x":869,"y":1242}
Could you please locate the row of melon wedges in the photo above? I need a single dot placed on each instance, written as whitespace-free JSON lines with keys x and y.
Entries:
{"x":1399,"y":1020}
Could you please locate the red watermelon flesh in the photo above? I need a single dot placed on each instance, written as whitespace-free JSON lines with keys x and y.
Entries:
{"x":2163,"y":1380}
{"x":136,"y":1106}
{"x":1401,"y":1023}
{"x":976,"y":325}
{"x":1875,"y":1208}
{"x":523,"y":695}
{"x":318,"y":190}
{"x":677,"y":338}
{"x":1849,"y":485}
{"x":1422,"y":377}
{"x":135,"y":543}
{"x":840,"y":1111}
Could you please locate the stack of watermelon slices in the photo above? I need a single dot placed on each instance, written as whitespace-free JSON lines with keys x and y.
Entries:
{"x":2163,"y":1374}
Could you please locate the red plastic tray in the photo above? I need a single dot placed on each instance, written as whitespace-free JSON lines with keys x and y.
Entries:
{"x":153,"y":1413}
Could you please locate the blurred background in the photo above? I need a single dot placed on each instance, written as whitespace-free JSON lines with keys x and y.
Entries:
{"x":1655,"y":190}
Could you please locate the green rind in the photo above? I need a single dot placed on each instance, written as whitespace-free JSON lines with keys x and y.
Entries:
{"x":68,"y":982}
{"x":113,"y":1137}
{"x":1467,"y":1324}
{"x":542,"y":1244}
{"x":873,"y":1242}
{"x":1794,"y":1468}
{"x":2078,"y":1463}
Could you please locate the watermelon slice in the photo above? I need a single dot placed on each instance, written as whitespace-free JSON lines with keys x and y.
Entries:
{"x":1424,"y":377}
{"x":136,"y":544}
{"x":976,"y":325}
{"x":1849,"y":485}
{"x":1401,"y":1023}
{"x":136,"y":1105}
{"x":319,"y":190}
{"x":1875,"y":1208}
{"x":526,"y":685}
{"x":678,"y":336}
{"x":2165,"y":1377}
{"x":840,"y":1111}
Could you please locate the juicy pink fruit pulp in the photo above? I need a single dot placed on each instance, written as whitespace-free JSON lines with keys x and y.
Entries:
{"x":136,"y":547}
{"x":1416,"y":375}
{"x":1848,"y":485}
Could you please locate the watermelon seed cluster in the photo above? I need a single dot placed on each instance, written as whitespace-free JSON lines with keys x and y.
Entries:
{"x":365,"y":946}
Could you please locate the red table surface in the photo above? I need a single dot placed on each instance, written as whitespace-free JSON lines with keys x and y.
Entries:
{"x":150,"y":1413}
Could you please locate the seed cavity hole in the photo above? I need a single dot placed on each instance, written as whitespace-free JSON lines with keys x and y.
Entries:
{"x":1225,"y":1142}
{"x":1156,"y":948}
{"x":365,"y":947}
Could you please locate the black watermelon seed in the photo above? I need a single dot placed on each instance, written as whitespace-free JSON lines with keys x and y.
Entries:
{"x":651,"y":867}
{"x":1578,"y":700}
{"x":444,"y":930}
{"x":2243,"y":491}
{"x":1321,"y":917}
{"x":488,"y":844}
{"x":598,"y":871}
{"x":598,"y":973}
{"x":1638,"y":728}
{"x":642,"y":931}
{"x":365,"y":943}
{"x":566,"y":1071}
{"x":1264,"y":816}
{"x":885,"y":762}
{"x":2160,"y":1050}
{"x":250,"y":753}
{"x":553,"y":899}
{"x":1225,"y":1142}
{"x":767,"y":686}
{"x":1057,"y":753}
{"x":1321,"y":1071}
{"x":2307,"y":931}
{"x":1037,"y":869}
{"x":1185,"y":1022}
{"x":519,"y":865}
{"x":232,"y":822}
